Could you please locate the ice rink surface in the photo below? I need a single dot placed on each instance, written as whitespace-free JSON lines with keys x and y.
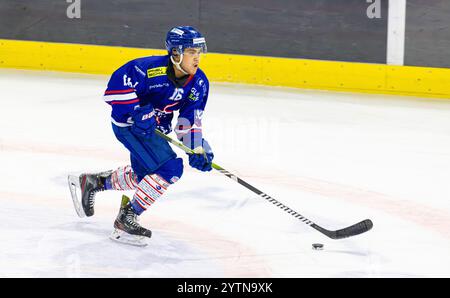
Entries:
{"x":336,"y":158}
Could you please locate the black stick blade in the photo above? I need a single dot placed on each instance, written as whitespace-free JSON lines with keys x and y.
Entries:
{"x":350,"y":231}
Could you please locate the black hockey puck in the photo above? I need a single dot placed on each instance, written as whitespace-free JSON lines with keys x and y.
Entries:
{"x":317,"y":246}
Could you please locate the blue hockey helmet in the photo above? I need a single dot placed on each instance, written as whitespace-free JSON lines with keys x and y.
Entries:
{"x":183,"y":37}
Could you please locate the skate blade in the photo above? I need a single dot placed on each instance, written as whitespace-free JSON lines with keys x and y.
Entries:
{"x":125,"y":238}
{"x":75,"y":192}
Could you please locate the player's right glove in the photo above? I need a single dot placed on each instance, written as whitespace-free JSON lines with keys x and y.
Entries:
{"x":144,"y":121}
{"x":202,"y":158}
{"x":165,"y":128}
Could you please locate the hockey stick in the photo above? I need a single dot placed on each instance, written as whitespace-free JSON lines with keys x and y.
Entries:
{"x":352,"y":230}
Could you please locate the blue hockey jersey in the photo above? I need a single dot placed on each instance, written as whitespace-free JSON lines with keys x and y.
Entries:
{"x":148,"y":81}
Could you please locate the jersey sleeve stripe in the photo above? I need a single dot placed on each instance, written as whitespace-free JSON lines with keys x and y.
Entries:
{"x":108,"y":92}
{"x":119,"y":97}
{"x":182,"y":130}
{"x":124,"y":102}
{"x":179,"y":131}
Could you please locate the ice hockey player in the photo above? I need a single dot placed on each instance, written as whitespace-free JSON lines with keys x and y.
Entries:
{"x":143,"y":95}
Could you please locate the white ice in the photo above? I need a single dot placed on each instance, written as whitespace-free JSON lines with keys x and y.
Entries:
{"x":336,"y":158}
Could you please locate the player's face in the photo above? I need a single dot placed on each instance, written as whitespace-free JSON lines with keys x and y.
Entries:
{"x":191,"y":60}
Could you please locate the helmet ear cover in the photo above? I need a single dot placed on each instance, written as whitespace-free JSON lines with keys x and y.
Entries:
{"x":175,"y":52}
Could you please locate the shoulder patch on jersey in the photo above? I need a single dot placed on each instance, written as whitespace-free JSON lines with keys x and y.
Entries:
{"x":201,"y":85}
{"x":156,"y":72}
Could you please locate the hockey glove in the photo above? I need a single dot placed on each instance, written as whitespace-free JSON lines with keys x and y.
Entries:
{"x":144,"y":121}
{"x":202,"y":159}
{"x":165,"y":128}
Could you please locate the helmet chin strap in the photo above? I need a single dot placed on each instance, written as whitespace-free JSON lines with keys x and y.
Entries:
{"x":178,"y":64}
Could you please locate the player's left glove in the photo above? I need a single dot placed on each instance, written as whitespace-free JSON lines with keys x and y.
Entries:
{"x":202,"y":158}
{"x":144,"y":121}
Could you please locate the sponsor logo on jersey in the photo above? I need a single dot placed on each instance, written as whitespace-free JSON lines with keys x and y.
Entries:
{"x":195,"y":95}
{"x":156,"y":72}
{"x":202,"y":84}
{"x":158,"y":86}
{"x":139,"y":70}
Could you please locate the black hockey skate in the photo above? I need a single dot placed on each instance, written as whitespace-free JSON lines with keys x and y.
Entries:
{"x":126,"y":227}
{"x":87,"y":185}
